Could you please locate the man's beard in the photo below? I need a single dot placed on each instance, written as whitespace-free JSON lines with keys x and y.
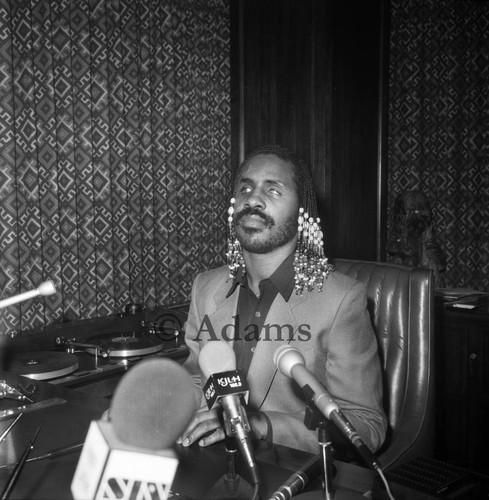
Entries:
{"x":282,"y":235}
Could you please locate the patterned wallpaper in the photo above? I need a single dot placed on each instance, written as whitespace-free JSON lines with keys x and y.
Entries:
{"x":115,"y":147}
{"x":439,"y":125}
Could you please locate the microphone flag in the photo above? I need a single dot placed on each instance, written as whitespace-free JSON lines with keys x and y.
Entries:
{"x":110,"y":468}
{"x":223,"y":384}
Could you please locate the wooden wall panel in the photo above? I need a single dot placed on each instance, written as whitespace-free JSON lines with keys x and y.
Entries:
{"x":306,"y":74}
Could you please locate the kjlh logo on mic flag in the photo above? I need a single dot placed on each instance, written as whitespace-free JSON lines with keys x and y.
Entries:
{"x":111,"y":469}
{"x":223,"y":384}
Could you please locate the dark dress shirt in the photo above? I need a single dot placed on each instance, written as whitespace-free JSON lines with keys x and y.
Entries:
{"x":252,"y":310}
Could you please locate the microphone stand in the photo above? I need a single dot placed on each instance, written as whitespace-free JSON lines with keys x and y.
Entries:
{"x":313,"y":419}
{"x":231,"y":485}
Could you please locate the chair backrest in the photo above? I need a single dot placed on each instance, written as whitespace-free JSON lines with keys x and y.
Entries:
{"x":401,"y":305}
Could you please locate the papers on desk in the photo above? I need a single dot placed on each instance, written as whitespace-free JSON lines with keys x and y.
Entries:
{"x":460,"y":298}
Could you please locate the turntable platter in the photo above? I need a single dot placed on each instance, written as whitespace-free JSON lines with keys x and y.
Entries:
{"x":43,"y":365}
{"x":124,"y":346}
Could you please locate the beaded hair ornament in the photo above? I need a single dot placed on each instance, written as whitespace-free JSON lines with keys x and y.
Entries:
{"x":311,"y":267}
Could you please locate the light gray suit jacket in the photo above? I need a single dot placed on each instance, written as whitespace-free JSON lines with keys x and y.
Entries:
{"x":333,"y":331}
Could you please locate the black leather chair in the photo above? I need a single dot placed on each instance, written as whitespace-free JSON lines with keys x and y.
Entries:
{"x":401,"y":305}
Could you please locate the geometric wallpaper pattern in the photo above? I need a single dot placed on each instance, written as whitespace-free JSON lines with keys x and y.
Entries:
{"x":115,"y":152}
{"x":439,"y":125}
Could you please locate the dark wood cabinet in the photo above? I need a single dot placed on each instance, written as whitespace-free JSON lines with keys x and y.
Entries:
{"x":463,"y":387}
{"x":310,"y":75}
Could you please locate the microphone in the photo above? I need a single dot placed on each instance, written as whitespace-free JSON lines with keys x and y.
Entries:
{"x":46,"y":288}
{"x":290,"y":362}
{"x":225,"y":386}
{"x":130,"y":455}
{"x":299,"y":479}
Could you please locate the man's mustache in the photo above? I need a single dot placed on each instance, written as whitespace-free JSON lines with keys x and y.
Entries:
{"x":267,"y":219}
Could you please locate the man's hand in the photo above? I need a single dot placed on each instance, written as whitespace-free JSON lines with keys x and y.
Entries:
{"x":258,"y":424}
{"x":205,"y":427}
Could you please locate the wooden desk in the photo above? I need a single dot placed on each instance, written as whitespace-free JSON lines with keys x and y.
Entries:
{"x":205,"y":466}
{"x":67,"y":423}
{"x":63,"y":423}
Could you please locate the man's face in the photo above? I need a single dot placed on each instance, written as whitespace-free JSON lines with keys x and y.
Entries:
{"x":266,"y":205}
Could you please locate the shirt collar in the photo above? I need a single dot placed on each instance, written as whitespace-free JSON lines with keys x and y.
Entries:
{"x":282,"y":278}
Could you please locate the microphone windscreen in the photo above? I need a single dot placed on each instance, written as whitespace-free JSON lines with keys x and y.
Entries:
{"x":46,"y":288}
{"x":286,"y":357}
{"x":216,"y":357}
{"x":153,"y":404}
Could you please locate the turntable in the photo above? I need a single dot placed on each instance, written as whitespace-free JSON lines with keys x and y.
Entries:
{"x":91,"y":355}
{"x":43,"y":365}
{"x":49,"y":365}
{"x":120,"y":345}
{"x":115,"y":344}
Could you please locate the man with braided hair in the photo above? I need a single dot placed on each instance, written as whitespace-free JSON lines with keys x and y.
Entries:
{"x":277,"y":289}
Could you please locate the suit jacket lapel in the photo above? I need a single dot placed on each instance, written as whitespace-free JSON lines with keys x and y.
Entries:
{"x":262,"y":369}
{"x":222,"y":318}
